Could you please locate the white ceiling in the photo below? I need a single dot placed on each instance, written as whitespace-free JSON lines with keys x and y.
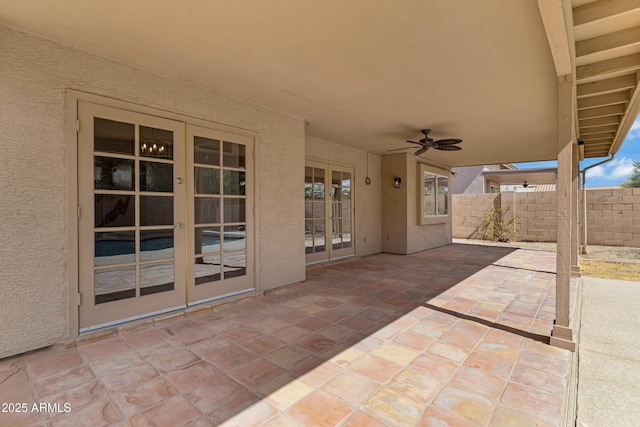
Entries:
{"x":369,"y":74}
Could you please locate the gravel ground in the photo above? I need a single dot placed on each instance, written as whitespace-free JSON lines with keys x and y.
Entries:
{"x":596,"y":253}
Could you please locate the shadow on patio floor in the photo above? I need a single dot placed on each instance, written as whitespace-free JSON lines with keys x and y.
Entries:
{"x":450,"y":335}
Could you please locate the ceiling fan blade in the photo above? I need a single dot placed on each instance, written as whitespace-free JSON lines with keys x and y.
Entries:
{"x":413,"y":142}
{"x":448,"y":141}
{"x":405,"y":148}
{"x":447,"y":147}
{"x":420,"y":151}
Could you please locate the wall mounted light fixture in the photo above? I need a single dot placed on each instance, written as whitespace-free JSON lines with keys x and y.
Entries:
{"x":396,"y":182}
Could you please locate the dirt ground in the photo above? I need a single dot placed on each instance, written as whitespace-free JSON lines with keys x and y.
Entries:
{"x":608,"y":262}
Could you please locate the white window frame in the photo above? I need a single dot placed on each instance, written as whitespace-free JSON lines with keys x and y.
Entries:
{"x":423,"y":217}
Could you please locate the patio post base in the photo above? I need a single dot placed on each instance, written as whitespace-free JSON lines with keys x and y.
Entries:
{"x":575,"y":271}
{"x":562,"y":337}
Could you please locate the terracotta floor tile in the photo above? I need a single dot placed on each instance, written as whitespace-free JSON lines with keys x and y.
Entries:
{"x":241,"y":333}
{"x":321,"y":374}
{"x":448,"y":351}
{"x":255,"y":372}
{"x":172,"y":361}
{"x":250,"y":413}
{"x":434,"y":417}
{"x":282,"y":421}
{"x":175,"y":411}
{"x":63,"y":380}
{"x":139,"y":398}
{"x":543,"y":404}
{"x":393,"y":408}
{"x":288,"y":356}
{"x":290,"y":333}
{"x":305,"y":365}
{"x":189,"y":377}
{"x":288,"y":394}
{"x":144,"y":337}
{"x":478,"y":382}
{"x":336,"y":332}
{"x":128,"y":377}
{"x":104,"y":348}
{"x":351,"y":388}
{"x":229,"y":357}
{"x":77,"y":397}
{"x":490,"y":365}
{"x":203,"y":421}
{"x":534,"y":378}
{"x":47,"y":362}
{"x":194,"y":335}
{"x":412,"y":340}
{"x":437,"y":368}
{"x":215,"y":392}
{"x":416,"y":385}
{"x":509,"y":417}
{"x":493,"y":349}
{"x":271,"y":386}
{"x":264,"y":344}
{"x":360,"y":419}
{"x":466,"y":405}
{"x":319,"y":409}
{"x":211,"y":345}
{"x":375,"y":368}
{"x":118,"y":362}
{"x":101,"y":413}
{"x":544,"y":362}
{"x":395,"y":353}
{"x":315,"y":343}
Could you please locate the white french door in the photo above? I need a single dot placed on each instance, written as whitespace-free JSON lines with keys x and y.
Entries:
{"x":328,"y":193}
{"x":165,"y":215}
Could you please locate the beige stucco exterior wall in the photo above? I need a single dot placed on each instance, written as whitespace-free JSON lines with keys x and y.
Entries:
{"x":34,"y":77}
{"x":613,"y":215}
{"x":368,"y":198}
{"x":401,"y":231}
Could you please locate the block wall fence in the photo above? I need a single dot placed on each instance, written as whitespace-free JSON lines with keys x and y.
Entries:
{"x":613,"y":215}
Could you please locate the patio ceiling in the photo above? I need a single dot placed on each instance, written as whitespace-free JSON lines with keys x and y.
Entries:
{"x":520,"y":176}
{"x":371,"y":75}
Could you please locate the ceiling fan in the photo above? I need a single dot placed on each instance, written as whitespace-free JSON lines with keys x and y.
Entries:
{"x":426,"y":143}
{"x":525,"y":185}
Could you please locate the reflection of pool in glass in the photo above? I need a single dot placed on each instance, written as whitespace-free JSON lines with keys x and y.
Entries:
{"x":123,"y":247}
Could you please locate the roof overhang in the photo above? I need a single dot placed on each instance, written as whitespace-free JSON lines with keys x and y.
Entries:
{"x":520,"y":176}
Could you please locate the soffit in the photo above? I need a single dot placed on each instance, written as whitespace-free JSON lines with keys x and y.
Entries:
{"x":520,"y":176}
{"x":364,"y":74}
{"x":607,"y":45}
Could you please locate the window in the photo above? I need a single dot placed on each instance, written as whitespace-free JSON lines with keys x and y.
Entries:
{"x":434,"y":197}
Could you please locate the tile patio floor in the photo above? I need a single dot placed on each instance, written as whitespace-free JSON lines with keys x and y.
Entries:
{"x":453,"y":336}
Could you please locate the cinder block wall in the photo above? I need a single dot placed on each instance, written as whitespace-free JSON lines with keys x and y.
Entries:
{"x":613,"y":215}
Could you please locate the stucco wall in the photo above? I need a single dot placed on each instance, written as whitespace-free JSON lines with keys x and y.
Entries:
{"x":401,"y":232}
{"x":613,"y":215}
{"x":368,"y":198}
{"x":468,"y":180}
{"x":34,"y":76}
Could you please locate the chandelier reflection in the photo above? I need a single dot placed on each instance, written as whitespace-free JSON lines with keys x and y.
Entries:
{"x":155,"y":149}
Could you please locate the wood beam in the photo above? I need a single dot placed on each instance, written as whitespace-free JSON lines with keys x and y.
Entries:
{"x":602,"y":9}
{"x":619,"y":39}
{"x":611,"y":67}
{"x":628,"y":119}
{"x":611,"y":110}
{"x":555,"y":25}
{"x":597,"y":142}
{"x":598,"y":136}
{"x":601,"y":121}
{"x":603,"y":87}
{"x":598,"y":129}
{"x":604,"y":100}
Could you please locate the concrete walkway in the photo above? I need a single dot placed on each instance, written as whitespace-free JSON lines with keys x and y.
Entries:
{"x":609,"y":354}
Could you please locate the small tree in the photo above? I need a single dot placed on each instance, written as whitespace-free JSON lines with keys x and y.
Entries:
{"x":499,"y":225}
{"x":634,"y":179}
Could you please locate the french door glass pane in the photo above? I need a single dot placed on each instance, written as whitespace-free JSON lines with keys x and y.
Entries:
{"x":207,"y":269}
{"x":118,"y":247}
{"x":206,"y":151}
{"x":207,"y":210}
{"x":113,"y":174}
{"x":235,"y":264}
{"x":234,"y":210}
{"x":156,"y":244}
{"x":114,"y":210}
{"x":206,"y":180}
{"x":235,"y":237}
{"x":234,"y":183}
{"x":156,"y":177}
{"x":156,"y":143}
{"x":207,"y":240}
{"x":113,"y":284}
{"x":155,"y":278}
{"x":156,"y":210}
{"x":233,"y":155}
{"x":113,"y":137}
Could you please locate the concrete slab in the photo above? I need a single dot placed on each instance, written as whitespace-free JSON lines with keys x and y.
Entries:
{"x":609,"y":354}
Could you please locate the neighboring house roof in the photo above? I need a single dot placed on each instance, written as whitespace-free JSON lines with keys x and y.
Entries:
{"x":529,"y":189}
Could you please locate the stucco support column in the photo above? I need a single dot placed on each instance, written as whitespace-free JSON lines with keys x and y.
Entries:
{"x":562,"y":335}
{"x":584,"y":213}
{"x":575,"y":211}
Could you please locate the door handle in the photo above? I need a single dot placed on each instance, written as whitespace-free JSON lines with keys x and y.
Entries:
{"x":179,"y":226}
